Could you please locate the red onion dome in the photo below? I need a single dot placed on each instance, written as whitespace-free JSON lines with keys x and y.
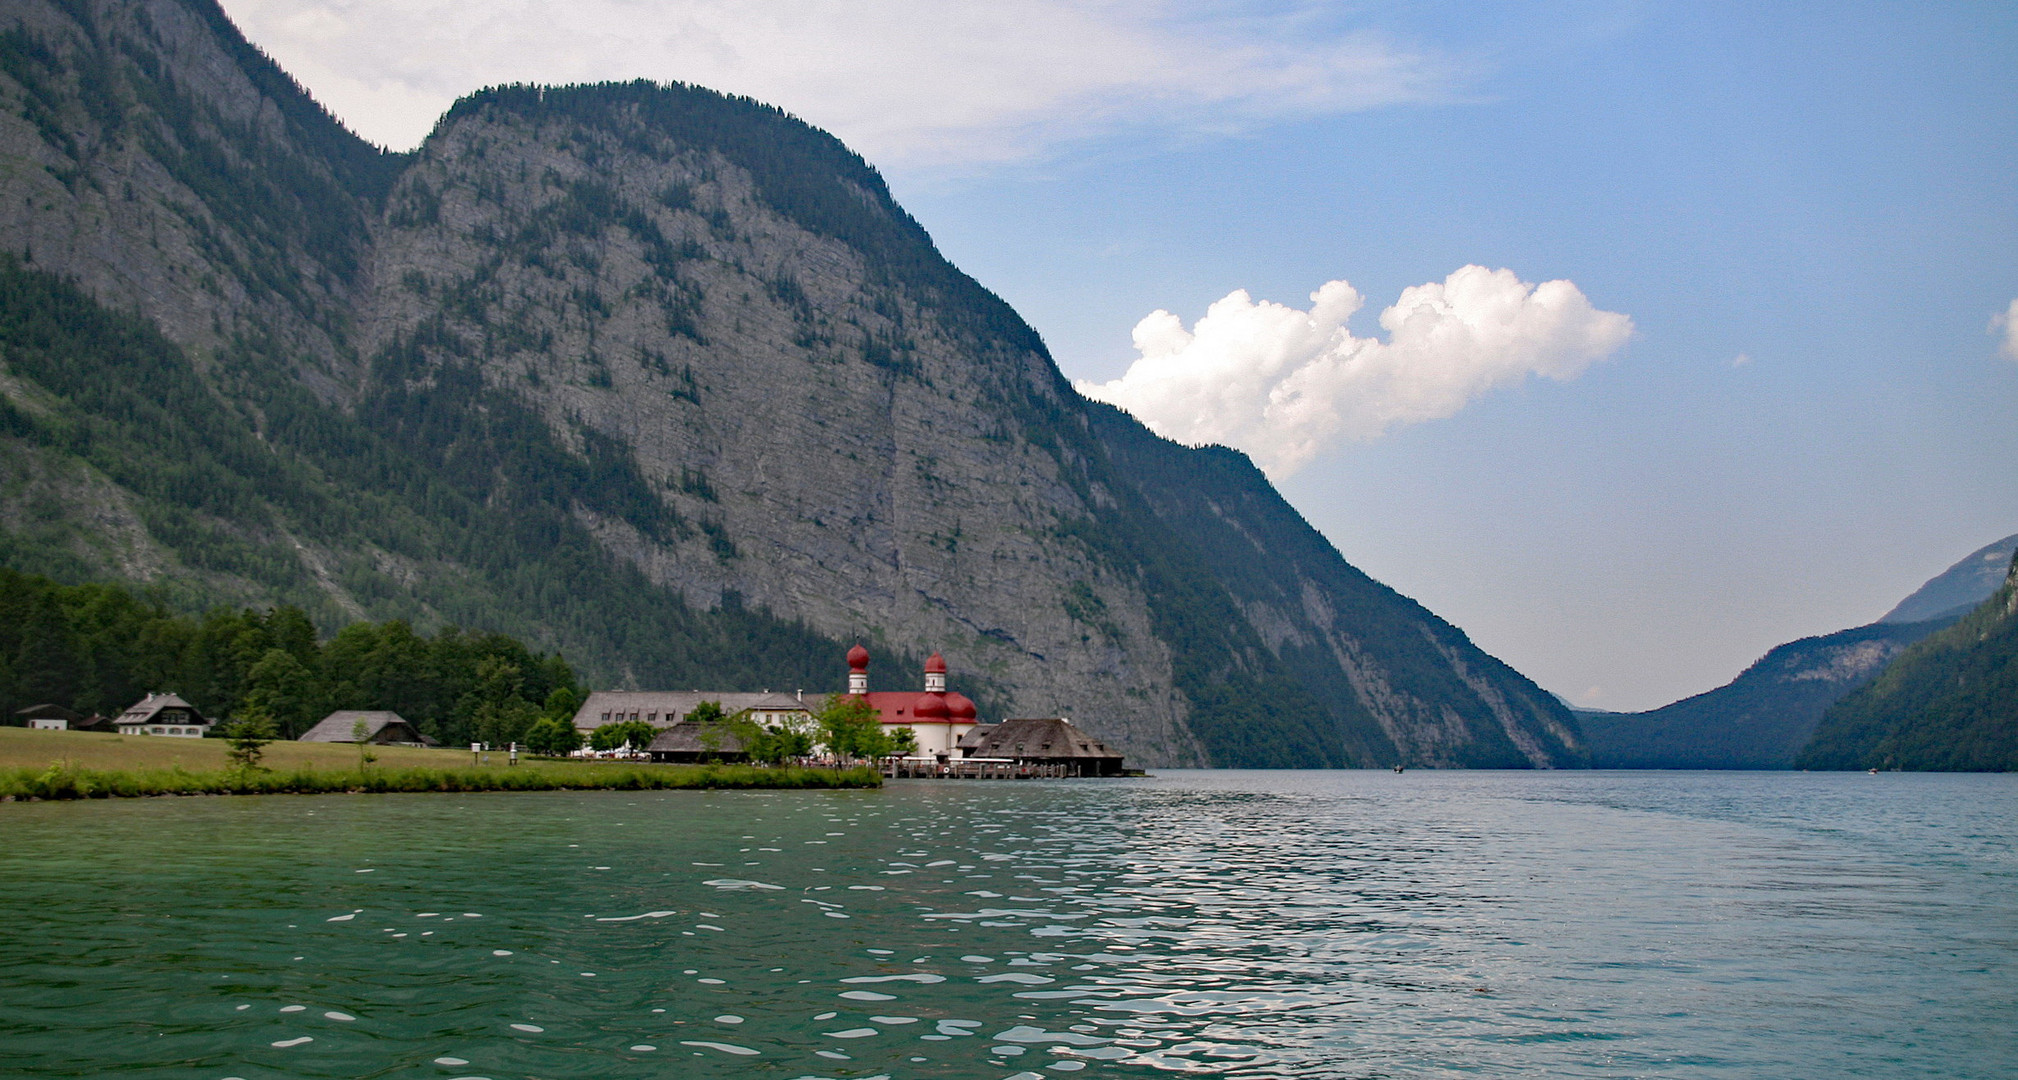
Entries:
{"x":930,"y":707}
{"x":858,"y":659}
{"x":959,"y":707}
{"x":936,"y":665}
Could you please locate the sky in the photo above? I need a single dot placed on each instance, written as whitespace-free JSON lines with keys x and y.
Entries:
{"x":1633,"y":338}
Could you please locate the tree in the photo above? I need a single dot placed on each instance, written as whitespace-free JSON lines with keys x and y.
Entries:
{"x":553,"y":737}
{"x":563,"y":703}
{"x":249,"y":735}
{"x":904,"y":742}
{"x":775,"y":744}
{"x":283,"y":688}
{"x":496,"y":710}
{"x":852,"y":728}
{"x":635,"y":733}
{"x":360,"y":733}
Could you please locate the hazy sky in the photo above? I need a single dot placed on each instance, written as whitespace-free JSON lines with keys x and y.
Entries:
{"x":1633,"y":338}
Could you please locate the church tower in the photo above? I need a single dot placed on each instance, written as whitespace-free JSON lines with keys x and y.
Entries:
{"x":858,"y":670}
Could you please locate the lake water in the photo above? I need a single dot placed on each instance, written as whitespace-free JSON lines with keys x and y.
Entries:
{"x":1249,"y":924}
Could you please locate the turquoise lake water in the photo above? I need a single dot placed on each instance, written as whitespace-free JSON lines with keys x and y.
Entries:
{"x":1251,"y":924}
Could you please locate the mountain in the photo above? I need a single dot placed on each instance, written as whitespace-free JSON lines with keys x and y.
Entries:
{"x":1957,"y":590}
{"x":1948,"y":703}
{"x":658,"y":377}
{"x":1763,"y":718}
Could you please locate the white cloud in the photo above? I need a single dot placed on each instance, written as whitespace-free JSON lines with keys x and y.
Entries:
{"x":906,"y":82}
{"x":1283,"y":384}
{"x":2007,"y":321}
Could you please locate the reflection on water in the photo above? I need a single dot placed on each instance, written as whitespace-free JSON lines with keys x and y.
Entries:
{"x":1249,"y":924}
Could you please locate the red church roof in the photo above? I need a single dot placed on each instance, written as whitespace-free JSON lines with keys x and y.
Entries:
{"x":914,"y":707}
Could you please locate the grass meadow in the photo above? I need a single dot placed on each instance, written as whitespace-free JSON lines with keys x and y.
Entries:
{"x":85,"y":765}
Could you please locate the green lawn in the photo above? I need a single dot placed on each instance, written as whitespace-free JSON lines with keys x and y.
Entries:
{"x":71,"y":764}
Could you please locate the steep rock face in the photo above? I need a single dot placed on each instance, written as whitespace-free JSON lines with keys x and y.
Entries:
{"x":656,"y":376}
{"x":798,"y":428}
{"x":171,"y":169}
{"x":1391,"y":681}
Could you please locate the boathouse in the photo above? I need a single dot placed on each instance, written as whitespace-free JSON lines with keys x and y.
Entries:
{"x":1052,"y":741}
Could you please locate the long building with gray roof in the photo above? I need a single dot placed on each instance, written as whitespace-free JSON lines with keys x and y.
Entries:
{"x":664,"y":708}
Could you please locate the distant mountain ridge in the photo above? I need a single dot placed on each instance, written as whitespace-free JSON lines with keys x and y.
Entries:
{"x":649,"y":374}
{"x":1764,"y":718}
{"x":1957,"y":590}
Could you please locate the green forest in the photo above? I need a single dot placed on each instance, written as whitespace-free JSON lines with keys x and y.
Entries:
{"x":1948,"y":703}
{"x":100,"y":648}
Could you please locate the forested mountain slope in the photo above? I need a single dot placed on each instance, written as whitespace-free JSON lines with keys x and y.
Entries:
{"x":657,"y":377}
{"x":1762,"y":718}
{"x":1949,"y":702}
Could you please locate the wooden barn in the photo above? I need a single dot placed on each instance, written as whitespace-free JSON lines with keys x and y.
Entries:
{"x":381,"y":729}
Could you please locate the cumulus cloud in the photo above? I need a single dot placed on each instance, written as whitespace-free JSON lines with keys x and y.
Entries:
{"x":906,"y":82}
{"x":1284,"y":384}
{"x":2007,"y":321}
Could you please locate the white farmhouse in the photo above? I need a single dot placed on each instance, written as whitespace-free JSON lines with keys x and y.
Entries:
{"x":162,"y":714}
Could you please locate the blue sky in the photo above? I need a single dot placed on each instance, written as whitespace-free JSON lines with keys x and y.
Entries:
{"x":1808,"y":213}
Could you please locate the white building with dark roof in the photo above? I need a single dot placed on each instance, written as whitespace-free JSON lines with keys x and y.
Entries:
{"x":162,"y":714}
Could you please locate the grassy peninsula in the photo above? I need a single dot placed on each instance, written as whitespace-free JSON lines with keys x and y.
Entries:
{"x":83,"y":765}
